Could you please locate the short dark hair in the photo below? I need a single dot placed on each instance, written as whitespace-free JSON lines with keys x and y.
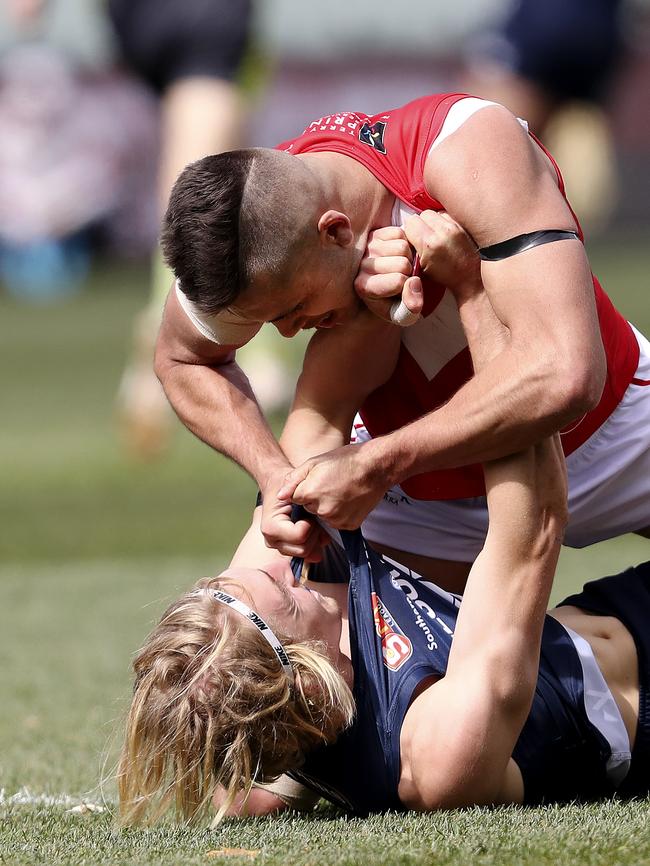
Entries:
{"x":201,"y":229}
{"x":235,"y":218}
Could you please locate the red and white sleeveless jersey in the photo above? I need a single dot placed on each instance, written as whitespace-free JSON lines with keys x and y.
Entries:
{"x":434,"y":361}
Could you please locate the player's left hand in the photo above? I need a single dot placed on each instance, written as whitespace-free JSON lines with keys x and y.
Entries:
{"x":448,"y":255}
{"x":341,"y":487}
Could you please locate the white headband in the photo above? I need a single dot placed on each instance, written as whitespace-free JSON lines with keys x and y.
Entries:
{"x":257,"y":621}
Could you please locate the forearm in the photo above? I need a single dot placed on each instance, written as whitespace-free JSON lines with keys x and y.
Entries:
{"x":218,"y":405}
{"x":517,"y":399}
{"x":341,"y":367}
{"x":495,"y":653}
{"x":308,"y":433}
{"x":553,"y":367}
{"x":512,"y":579}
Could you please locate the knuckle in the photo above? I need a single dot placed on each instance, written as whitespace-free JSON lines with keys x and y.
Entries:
{"x":404,"y":265}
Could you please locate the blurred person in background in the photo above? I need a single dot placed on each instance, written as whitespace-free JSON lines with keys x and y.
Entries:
{"x":68,"y":152}
{"x":553,"y":63}
{"x":190,"y":54}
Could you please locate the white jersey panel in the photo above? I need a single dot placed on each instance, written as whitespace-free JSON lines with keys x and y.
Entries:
{"x":459,"y":113}
{"x":609,"y":489}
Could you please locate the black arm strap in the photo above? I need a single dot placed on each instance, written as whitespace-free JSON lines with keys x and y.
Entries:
{"x":514,"y":246}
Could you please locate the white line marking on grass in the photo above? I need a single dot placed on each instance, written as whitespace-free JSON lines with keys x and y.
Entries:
{"x":24,"y":797}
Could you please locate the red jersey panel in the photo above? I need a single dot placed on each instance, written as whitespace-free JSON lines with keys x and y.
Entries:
{"x":434,"y":360}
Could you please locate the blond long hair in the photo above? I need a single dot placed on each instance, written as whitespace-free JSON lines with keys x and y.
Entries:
{"x":212,"y":706}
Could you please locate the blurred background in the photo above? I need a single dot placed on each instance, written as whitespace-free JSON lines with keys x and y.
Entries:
{"x":107,"y":505}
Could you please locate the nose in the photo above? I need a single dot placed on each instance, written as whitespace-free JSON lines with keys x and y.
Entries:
{"x":289,"y":329}
{"x":280,"y":572}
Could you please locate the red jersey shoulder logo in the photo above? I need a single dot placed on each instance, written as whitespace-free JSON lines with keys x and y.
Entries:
{"x":372,"y":134}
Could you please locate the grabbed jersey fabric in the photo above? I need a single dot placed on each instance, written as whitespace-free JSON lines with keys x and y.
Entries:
{"x":401,"y":631}
{"x":434,"y":360}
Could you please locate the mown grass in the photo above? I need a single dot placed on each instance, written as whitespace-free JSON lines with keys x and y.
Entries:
{"x":607,"y":834}
{"x":93,"y":545}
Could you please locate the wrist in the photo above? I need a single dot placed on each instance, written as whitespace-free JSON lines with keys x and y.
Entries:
{"x":382,"y":460}
{"x":272,"y":472}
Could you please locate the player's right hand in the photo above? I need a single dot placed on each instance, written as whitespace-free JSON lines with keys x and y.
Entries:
{"x":304,"y":538}
{"x":386,"y":273}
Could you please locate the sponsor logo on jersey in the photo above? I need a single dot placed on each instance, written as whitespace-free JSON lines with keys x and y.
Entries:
{"x":396,"y":648}
{"x":346,"y":123}
{"x":372,"y":134}
{"x":396,"y":498}
{"x":421,"y":608}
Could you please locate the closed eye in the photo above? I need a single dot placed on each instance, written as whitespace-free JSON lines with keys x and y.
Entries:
{"x":288,"y":597}
{"x":291,"y":312}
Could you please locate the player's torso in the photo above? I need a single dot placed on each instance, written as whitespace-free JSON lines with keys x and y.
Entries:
{"x":401,"y":633}
{"x":615,"y":651}
{"x":434,"y":360}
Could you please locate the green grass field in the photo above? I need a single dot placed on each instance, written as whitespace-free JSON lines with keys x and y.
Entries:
{"x":92,"y":546}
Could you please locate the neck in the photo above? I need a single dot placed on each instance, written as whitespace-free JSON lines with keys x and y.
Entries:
{"x":349,"y":187}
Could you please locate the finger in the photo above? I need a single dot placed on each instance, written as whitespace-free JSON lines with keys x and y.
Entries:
{"x":378,"y":286}
{"x":301,"y":496}
{"x":385,"y":264}
{"x":402,"y":316}
{"x":441,"y":220}
{"x":313,"y":551}
{"x":386,"y":233}
{"x":416,"y":231}
{"x":396,"y":247}
{"x":292,"y":480}
{"x":435,"y":218}
{"x":413,"y":295}
{"x":282,"y":530}
{"x":291,"y":550}
{"x":381,"y":307}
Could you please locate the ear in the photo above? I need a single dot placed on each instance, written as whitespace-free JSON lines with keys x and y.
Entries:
{"x":334,"y":227}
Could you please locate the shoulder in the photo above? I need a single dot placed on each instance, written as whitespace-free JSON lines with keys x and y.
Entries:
{"x":436,"y":751}
{"x":476,"y":129}
{"x":493,"y":177}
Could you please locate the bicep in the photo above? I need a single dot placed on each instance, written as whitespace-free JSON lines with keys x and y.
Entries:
{"x":461,"y":748}
{"x":497,"y":183}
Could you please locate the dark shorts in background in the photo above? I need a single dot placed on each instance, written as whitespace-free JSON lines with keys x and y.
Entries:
{"x":569,"y":48}
{"x":165,"y":40}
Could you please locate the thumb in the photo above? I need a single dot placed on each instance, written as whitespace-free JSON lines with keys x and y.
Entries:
{"x":292,"y":480}
{"x":406,"y":311}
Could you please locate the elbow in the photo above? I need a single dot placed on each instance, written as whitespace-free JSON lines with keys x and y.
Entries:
{"x":160,"y":368}
{"x":161,"y":361}
{"x":585,"y":383}
{"x":574,"y":386}
{"x":508,"y":675}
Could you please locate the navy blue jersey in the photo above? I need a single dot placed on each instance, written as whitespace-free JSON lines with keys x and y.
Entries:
{"x":401,"y":630}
